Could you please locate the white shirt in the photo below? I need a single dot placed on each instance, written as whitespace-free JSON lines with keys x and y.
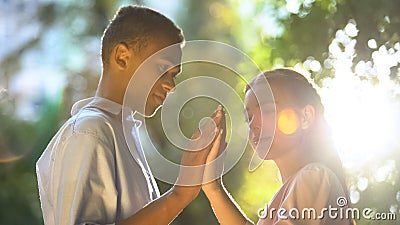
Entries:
{"x":87,"y":174}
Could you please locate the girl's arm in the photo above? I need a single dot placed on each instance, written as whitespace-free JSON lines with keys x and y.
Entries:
{"x":225,"y":208}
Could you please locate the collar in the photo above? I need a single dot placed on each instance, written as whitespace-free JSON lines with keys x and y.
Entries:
{"x":106,"y":105}
{"x":98,"y":102}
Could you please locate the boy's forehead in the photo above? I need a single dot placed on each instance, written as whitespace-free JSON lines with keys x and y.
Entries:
{"x":164,"y":51}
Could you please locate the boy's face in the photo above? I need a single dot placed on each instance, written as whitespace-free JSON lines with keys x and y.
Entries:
{"x":157,"y":70}
{"x":162,"y":87}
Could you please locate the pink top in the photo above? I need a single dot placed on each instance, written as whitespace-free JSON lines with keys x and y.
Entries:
{"x":313,"y":196}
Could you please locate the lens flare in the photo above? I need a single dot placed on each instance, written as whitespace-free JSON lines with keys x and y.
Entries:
{"x":288,"y":121}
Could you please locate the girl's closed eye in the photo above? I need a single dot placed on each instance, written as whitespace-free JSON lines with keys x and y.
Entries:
{"x":268,"y":108}
{"x":248,"y":119}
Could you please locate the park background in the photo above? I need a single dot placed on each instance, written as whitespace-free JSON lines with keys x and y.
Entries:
{"x":49,"y":58}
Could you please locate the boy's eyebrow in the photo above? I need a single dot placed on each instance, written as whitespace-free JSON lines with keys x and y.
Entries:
{"x":170,"y":59}
{"x":171,"y":64}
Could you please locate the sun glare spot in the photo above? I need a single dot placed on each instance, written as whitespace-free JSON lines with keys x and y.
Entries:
{"x":359,"y":100}
{"x":361,"y":119}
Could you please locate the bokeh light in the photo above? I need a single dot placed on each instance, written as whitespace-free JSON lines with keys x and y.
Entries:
{"x":50,"y":58}
{"x":360,"y":100}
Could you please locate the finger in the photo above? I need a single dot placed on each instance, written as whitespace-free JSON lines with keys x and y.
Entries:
{"x":222,"y":125}
{"x":223,"y":122}
{"x":211,"y":128}
{"x":219,"y":136}
{"x":215,"y":147}
{"x":219,"y":109}
{"x":218,"y":115}
{"x":222,"y":148}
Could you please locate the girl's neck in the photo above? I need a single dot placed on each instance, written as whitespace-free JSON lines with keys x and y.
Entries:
{"x":290,"y":163}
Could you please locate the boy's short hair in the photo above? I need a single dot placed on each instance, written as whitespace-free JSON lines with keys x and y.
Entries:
{"x":134,"y":26}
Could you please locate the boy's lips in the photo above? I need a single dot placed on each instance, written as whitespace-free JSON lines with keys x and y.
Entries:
{"x":159,"y":98}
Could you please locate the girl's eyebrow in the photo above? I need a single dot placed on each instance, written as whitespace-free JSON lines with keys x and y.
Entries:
{"x":269,"y":102}
{"x":258,"y":104}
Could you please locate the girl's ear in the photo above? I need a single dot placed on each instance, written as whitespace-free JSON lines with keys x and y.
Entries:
{"x":307,"y":117}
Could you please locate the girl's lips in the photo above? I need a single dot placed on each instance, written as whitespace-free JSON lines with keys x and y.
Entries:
{"x":158,"y":100}
{"x":262,"y":140}
{"x":255,"y":141}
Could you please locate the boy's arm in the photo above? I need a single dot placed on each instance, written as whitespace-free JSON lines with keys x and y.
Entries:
{"x":164,"y":209}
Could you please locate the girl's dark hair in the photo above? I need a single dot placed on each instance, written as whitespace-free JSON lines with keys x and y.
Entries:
{"x":301,"y":91}
{"x":134,"y":26}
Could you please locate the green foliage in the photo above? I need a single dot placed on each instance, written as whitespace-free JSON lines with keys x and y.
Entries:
{"x":22,"y":142}
{"x":270,"y":34}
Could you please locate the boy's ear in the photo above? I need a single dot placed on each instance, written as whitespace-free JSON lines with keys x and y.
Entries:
{"x":307,"y":117}
{"x":121,"y":56}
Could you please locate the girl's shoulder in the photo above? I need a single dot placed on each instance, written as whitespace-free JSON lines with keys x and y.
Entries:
{"x":315,"y":182}
{"x":315,"y":172}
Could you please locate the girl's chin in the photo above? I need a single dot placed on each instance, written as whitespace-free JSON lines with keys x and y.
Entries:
{"x":262,"y":150}
{"x":263,"y":153}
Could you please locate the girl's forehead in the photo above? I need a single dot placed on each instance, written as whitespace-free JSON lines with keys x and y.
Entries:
{"x":252,"y":103}
{"x":263,"y":93}
{"x":259,"y":95}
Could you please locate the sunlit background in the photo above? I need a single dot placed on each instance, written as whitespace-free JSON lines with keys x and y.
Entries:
{"x":350,"y":50}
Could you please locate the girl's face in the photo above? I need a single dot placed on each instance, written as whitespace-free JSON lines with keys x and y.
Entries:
{"x":279,"y":128}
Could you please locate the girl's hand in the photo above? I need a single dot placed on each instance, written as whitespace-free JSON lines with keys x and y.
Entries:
{"x":194,"y":158}
{"x":215,"y":161}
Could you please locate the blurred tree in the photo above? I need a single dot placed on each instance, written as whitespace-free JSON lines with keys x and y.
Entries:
{"x":332,"y":39}
{"x":62,"y":38}
{"x":35,"y":39}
